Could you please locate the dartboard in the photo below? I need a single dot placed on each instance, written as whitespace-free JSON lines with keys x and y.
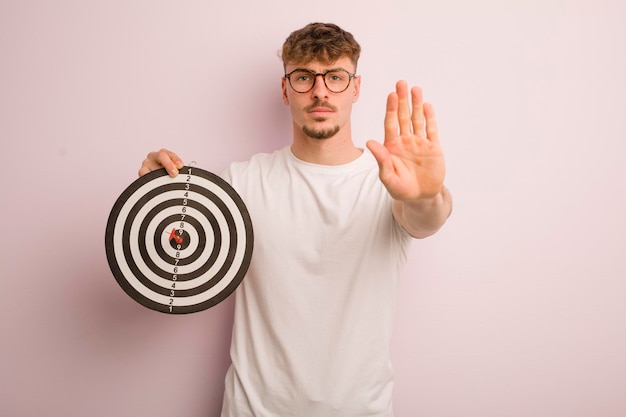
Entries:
{"x":179,"y":245}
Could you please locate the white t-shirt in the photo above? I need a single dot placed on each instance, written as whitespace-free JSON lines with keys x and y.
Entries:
{"x":313,"y":316}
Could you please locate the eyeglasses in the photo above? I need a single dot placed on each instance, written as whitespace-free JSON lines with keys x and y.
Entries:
{"x":302,"y":80}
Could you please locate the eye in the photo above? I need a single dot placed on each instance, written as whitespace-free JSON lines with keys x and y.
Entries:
{"x":336,"y":76}
{"x":301,"y":76}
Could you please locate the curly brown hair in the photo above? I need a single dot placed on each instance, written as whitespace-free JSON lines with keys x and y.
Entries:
{"x":324,"y":42}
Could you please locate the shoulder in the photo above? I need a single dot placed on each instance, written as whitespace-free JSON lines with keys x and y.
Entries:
{"x":256,"y":165}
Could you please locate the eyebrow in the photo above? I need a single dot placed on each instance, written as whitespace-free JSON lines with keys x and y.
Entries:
{"x":325,"y":71}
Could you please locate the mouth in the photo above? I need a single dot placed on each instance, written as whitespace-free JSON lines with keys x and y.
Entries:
{"x":320,"y":110}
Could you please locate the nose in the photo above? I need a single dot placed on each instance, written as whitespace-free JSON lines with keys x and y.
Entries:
{"x":319,"y":89}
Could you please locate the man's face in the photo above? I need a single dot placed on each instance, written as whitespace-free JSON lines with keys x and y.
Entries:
{"x":320,"y":113}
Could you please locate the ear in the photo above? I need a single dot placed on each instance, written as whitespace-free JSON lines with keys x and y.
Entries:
{"x":357,"y":88}
{"x":283,"y":85}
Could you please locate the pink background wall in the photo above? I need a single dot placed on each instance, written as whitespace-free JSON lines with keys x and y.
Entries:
{"x":515,"y":309}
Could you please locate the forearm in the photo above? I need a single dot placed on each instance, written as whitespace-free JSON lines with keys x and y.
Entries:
{"x":424,"y":216}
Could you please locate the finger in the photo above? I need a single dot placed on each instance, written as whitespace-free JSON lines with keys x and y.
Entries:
{"x":381,"y":154}
{"x":143,"y":170}
{"x":404,"y":110}
{"x":162,"y":159}
{"x":391,"y":119}
{"x":417,"y":117}
{"x":170,"y":161}
{"x":149,"y":164}
{"x":432,"y":132}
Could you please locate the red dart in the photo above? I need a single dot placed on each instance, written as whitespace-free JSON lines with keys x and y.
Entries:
{"x":177,"y":238}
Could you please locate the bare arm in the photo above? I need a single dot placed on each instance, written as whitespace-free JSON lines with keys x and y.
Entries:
{"x":411,"y":163}
{"x":423,"y":217}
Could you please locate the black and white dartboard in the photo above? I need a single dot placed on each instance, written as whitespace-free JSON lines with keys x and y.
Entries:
{"x":179,"y":245}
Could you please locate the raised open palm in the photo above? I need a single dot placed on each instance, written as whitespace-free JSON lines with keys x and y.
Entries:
{"x":410,"y":159}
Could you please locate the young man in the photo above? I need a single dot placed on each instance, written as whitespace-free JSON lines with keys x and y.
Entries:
{"x":332,"y":224}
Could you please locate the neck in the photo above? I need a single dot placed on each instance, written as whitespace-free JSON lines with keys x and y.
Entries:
{"x":337,"y":150}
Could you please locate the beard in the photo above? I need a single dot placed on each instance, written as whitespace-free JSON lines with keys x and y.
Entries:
{"x":320,"y":133}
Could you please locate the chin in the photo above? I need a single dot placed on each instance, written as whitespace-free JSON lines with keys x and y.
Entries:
{"x":320,"y":133}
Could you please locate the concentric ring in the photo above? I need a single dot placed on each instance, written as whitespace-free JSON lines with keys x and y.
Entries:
{"x":179,"y":245}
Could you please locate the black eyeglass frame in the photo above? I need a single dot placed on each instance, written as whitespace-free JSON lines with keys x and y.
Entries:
{"x":323,"y":74}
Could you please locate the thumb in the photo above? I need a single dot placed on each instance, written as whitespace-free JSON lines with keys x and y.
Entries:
{"x":381,"y":154}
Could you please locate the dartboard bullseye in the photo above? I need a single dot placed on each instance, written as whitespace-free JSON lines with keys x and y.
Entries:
{"x":179,"y":245}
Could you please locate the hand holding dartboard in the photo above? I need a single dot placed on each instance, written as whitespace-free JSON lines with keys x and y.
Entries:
{"x":179,"y":245}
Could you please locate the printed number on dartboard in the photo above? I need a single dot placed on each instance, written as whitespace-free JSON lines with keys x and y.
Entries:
{"x":179,"y":239}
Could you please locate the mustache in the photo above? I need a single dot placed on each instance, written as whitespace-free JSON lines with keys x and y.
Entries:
{"x":318,"y":104}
